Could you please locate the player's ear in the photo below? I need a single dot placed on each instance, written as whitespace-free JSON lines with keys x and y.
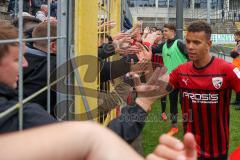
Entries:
{"x":210,"y":43}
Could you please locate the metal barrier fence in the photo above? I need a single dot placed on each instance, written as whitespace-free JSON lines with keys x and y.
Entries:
{"x":77,"y":35}
{"x":221,"y":51}
{"x":109,"y":10}
{"x":62,"y":37}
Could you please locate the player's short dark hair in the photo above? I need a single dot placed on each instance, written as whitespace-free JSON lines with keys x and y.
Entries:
{"x":200,"y":26}
{"x":170,"y":26}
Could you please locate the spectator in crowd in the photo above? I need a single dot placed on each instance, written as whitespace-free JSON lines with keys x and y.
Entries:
{"x":235,"y":54}
{"x":11,"y":6}
{"x":126,"y":22}
{"x":53,"y":7}
{"x":27,"y":6}
{"x":145,"y":33}
{"x":34,"y":114}
{"x":234,"y":16}
{"x":223,"y":14}
{"x":31,"y":6}
{"x":153,"y":29}
{"x":42,"y":13}
{"x":29,"y":23}
{"x":159,"y":38}
{"x":35,"y":75}
{"x":36,"y":5}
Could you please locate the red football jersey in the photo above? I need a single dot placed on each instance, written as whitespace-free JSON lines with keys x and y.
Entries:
{"x":205,"y":100}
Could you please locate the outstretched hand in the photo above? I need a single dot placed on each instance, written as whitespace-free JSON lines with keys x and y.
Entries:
{"x":107,"y":26}
{"x":171,"y":148}
{"x":123,"y":46}
{"x":153,"y":89}
{"x":150,"y":38}
{"x":145,"y":53}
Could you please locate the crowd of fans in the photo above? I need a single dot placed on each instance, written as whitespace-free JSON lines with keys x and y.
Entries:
{"x":35,"y":8}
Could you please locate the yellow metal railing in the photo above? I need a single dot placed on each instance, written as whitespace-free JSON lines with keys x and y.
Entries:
{"x":87,"y":39}
{"x":111,"y":10}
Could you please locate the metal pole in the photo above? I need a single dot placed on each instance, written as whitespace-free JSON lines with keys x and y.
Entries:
{"x":179,"y":19}
{"x":62,"y":47}
{"x":48,"y":59}
{"x":20,"y":56}
{"x":193,"y":7}
{"x":16,"y":8}
{"x":208,"y":11}
{"x":167,"y":20}
{"x":30,"y":39}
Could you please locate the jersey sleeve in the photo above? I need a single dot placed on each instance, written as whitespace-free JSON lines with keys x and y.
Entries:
{"x":174,"y":77}
{"x":234,"y":77}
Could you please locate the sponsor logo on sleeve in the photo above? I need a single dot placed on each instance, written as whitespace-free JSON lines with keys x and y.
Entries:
{"x":237,"y":72}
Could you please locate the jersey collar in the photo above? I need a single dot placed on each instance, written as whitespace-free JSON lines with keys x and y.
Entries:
{"x":203,"y":66}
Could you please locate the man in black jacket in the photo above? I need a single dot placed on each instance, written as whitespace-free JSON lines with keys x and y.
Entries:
{"x":34,"y":115}
{"x":35,"y":75}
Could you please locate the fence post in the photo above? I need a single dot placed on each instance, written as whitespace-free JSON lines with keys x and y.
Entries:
{"x":86,"y":16}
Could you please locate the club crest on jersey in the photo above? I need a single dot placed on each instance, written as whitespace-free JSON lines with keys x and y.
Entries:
{"x":217,"y":82}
